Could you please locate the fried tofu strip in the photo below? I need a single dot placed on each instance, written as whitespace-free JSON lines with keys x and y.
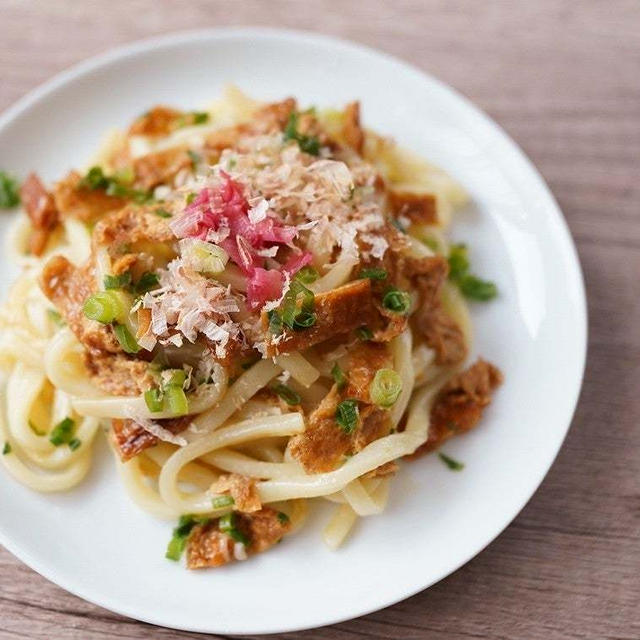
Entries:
{"x":157,"y":122}
{"x":160,"y":167}
{"x":351,"y":129}
{"x":130,"y":438}
{"x":460,"y":403}
{"x":77,"y":201}
{"x":337,"y":311}
{"x":42,"y":211}
{"x":207,"y":546}
{"x":323,"y":443}
{"x":420,"y":208}
{"x":242,"y":489}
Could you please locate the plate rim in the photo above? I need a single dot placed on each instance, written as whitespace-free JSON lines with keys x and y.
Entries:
{"x":571,"y":259}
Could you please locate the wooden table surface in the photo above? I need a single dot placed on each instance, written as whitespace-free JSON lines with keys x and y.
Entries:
{"x":563,"y":78}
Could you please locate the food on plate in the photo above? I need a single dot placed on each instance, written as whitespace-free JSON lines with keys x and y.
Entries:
{"x":258,"y":303}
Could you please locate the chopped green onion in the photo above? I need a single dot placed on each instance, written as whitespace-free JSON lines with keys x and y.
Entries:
{"x":195,"y":158}
{"x":338,"y":376}
{"x":147,"y":281}
{"x":162,"y":213}
{"x":347,"y":415}
{"x":104,"y":306}
{"x":200,"y":117}
{"x":191,"y":197}
{"x":153,"y":399}
{"x":6,"y":449}
{"x":227,"y":524}
{"x":176,"y":378}
{"x":113,"y":186}
{"x":287,"y":394}
{"x":304,"y":320}
{"x":62,"y":433}
{"x":125,"y":175}
{"x":477,"y":289}
{"x":122,"y":281}
{"x":176,"y":400}
{"x":275,"y":323}
{"x":74,"y":443}
{"x":385,"y":388}
{"x":432,"y":243}
{"x":55,"y":317}
{"x":364,"y":333}
{"x":307,"y":275}
{"x":396,"y":301}
{"x":308,"y":144}
{"x":204,"y":257}
{"x":398,"y":225}
{"x":471,"y":286}
{"x":373,"y":274}
{"x":220,"y":502}
{"x":9,"y":194}
{"x":180,"y":535}
{"x":126,"y":340}
{"x":295,"y":317}
{"x":454,"y":465}
{"x":458,"y":261}
{"x":283,"y":518}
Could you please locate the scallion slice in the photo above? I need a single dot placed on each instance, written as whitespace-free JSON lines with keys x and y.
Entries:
{"x":396,"y":301}
{"x":220,"y":502}
{"x":104,"y":306}
{"x":153,"y":399}
{"x":62,"y":433}
{"x":385,"y":388}
{"x":126,"y":340}
{"x":176,"y":400}
{"x":287,"y":394}
{"x":338,"y":376}
{"x":373,"y":274}
{"x":307,"y":275}
{"x":347,"y":415}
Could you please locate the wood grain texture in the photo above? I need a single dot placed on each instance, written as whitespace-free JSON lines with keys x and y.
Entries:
{"x":563,"y":78}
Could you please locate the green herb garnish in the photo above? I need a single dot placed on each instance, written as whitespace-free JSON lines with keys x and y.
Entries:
{"x":191,"y":197}
{"x":364,"y":333}
{"x":347,"y":415}
{"x":9,"y":193}
{"x":96,"y":179}
{"x":470,"y":285}
{"x":121,"y":281}
{"x":153,"y":399}
{"x":74,"y":443}
{"x":221,"y":502}
{"x":180,"y":535}
{"x":162,"y":213}
{"x":307,"y":275}
{"x":385,"y":388}
{"x":338,"y":376}
{"x":228,"y":524}
{"x":454,"y":465}
{"x":275,"y":323}
{"x":148,"y":280}
{"x":373,"y":274}
{"x":396,"y":301}
{"x":195,"y":158}
{"x":283,"y":518}
{"x":298,"y":317}
{"x":287,"y":394}
{"x":126,"y":340}
{"x":308,"y":144}
{"x":62,"y":433}
{"x":6,"y":449}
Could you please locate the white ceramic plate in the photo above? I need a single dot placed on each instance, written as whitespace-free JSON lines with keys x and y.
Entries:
{"x":96,"y":544}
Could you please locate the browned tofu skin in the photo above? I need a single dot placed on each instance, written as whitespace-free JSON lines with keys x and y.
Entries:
{"x":351,"y":130}
{"x":337,"y":311}
{"x":323,"y":443}
{"x":118,"y":374}
{"x":420,"y":208}
{"x":160,"y":167}
{"x":242,"y":489}
{"x":159,"y":121}
{"x":42,"y":211}
{"x":130,"y":438}
{"x":132,"y":226}
{"x":442,"y":334}
{"x":459,"y":405}
{"x":209,"y":547}
{"x":76,"y":201}
{"x":68,"y":286}
{"x":365,"y":359}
